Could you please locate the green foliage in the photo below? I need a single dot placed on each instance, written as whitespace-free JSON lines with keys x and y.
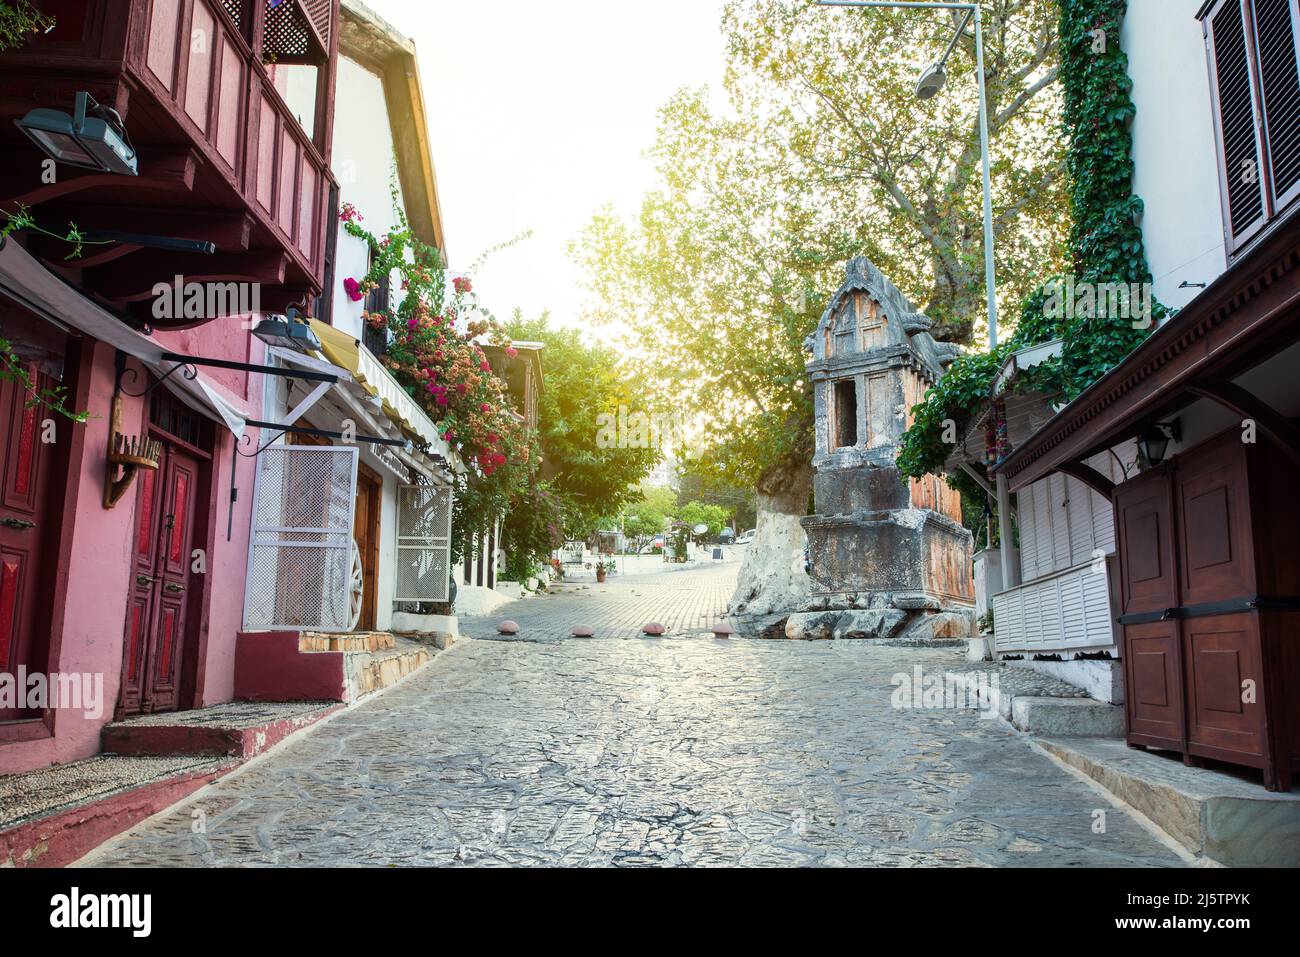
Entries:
{"x":19,"y":22}
{"x":530,"y":532}
{"x":434,"y":331}
{"x":21,"y":219}
{"x":1105,"y":241}
{"x":582,"y":383}
{"x":648,"y":516}
{"x":14,"y":369}
{"x":698,"y":513}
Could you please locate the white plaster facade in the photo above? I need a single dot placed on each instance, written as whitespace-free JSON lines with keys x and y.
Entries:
{"x":1173,"y":146}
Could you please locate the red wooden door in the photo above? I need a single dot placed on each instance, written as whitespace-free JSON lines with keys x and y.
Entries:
{"x":156,"y":617}
{"x":1148,"y":603}
{"x":26,"y":469}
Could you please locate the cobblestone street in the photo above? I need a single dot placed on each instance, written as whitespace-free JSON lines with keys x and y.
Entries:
{"x":547,"y":750}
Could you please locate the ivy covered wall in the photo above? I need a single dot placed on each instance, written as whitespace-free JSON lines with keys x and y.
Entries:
{"x":1105,"y":245}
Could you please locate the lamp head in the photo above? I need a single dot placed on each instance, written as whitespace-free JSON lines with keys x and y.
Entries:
{"x":931,"y":81}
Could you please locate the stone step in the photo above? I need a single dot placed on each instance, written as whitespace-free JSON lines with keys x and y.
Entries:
{"x":368,"y":673}
{"x":1222,"y":814}
{"x":1073,"y":717}
{"x":289,"y":666}
{"x":53,"y":816}
{"x":312,"y":642}
{"x":1040,"y":704}
{"x":240,"y":729}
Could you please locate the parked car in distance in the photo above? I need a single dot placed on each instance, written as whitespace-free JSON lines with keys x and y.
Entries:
{"x":746,"y":538}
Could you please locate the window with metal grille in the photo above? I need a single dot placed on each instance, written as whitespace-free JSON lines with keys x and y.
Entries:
{"x":423,"y":543}
{"x":300,"y":551}
{"x":1254,"y":50}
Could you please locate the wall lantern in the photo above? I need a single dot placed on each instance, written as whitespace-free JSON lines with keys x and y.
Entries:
{"x":282,"y":332}
{"x":93,"y":137}
{"x":1154,"y":443}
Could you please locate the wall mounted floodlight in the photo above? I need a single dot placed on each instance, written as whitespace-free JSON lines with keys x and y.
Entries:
{"x":94,"y":137}
{"x":282,"y":332}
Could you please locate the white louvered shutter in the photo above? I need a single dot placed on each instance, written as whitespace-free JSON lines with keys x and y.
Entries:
{"x":300,"y":550}
{"x":423,"y":543}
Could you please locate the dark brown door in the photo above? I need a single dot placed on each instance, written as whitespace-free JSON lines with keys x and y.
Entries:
{"x":1216,"y":563}
{"x":156,"y":619}
{"x":1148,"y":602}
{"x":26,"y":466}
{"x":366,"y":532}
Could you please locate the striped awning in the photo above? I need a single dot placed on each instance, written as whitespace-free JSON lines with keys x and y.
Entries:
{"x":342,"y":350}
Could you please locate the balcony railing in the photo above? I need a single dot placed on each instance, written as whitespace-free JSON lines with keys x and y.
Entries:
{"x":228,"y":101}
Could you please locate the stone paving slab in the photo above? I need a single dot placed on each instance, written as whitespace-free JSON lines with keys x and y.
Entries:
{"x":646,"y":752}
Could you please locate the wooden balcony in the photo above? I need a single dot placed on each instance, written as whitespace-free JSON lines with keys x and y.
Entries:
{"x":229,"y":104}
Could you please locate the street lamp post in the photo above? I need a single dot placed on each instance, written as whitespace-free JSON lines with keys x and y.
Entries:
{"x":930,"y":83}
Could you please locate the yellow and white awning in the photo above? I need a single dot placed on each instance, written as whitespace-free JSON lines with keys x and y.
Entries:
{"x":342,"y":350}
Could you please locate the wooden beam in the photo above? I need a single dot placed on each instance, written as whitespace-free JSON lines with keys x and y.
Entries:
{"x":165,"y":172}
{"x":1240,"y":402}
{"x":136,"y":280}
{"x":979,"y":479}
{"x":53,"y":253}
{"x":1090,"y":477}
{"x":229,"y":231}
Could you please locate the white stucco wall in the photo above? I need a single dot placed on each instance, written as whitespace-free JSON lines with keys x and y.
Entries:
{"x":363,"y":164}
{"x":1173,"y":146}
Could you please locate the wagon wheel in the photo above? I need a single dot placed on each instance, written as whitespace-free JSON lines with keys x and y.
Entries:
{"x":356,"y":588}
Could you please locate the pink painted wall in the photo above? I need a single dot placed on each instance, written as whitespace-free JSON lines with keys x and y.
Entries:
{"x":99,"y":565}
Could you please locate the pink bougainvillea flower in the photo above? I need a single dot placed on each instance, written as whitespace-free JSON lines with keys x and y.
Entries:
{"x":485,"y":366}
{"x":463,"y":284}
{"x":349,"y":214}
{"x":462,"y":388}
{"x":498,"y":459}
{"x":512,"y":352}
{"x":353,"y":289}
{"x":493,"y":438}
{"x":485,"y":407}
{"x":442,"y":400}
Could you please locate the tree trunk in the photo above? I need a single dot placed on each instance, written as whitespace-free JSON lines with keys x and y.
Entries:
{"x":772,"y":579}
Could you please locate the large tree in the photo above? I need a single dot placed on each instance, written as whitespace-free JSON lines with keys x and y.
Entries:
{"x":582,"y":382}
{"x":822,"y":152}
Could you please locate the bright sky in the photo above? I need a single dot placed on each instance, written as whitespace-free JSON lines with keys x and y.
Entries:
{"x":540,"y":113}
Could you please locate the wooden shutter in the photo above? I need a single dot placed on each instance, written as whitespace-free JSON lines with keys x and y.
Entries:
{"x":1279,"y":77}
{"x":1238,"y":123}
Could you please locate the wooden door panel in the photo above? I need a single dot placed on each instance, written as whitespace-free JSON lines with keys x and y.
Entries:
{"x":1222,"y":655}
{"x":172,"y":571}
{"x":1215,"y":560}
{"x":1143,"y":518}
{"x":366,"y":533}
{"x":1154,"y":691}
{"x":26,"y":465}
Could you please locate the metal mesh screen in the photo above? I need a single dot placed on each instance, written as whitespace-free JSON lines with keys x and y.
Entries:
{"x":300,"y":552}
{"x":423,"y":543}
